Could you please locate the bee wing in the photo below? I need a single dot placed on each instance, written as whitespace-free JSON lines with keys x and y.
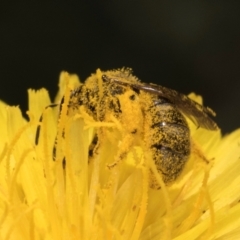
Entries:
{"x":194,"y":111}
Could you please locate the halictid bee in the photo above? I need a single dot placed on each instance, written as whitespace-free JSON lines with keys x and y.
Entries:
{"x":149,"y":112}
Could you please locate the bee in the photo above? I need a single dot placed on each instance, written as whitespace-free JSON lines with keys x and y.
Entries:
{"x":150,"y":112}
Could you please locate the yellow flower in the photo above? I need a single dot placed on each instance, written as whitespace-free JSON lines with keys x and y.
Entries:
{"x":84,"y":199}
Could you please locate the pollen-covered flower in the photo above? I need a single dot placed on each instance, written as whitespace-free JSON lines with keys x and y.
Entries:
{"x":57,"y":181}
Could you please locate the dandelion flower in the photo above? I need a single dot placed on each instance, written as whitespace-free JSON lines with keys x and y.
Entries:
{"x":75,"y":197}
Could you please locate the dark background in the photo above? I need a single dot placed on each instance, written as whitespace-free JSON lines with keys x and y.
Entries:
{"x":184,"y":45}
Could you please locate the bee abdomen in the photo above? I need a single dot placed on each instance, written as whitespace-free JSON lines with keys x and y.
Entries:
{"x":170,"y":142}
{"x":172,"y":136}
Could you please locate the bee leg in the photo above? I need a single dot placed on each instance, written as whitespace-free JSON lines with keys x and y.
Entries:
{"x":40,"y":120}
{"x":39,"y":128}
{"x":206,"y":164}
{"x":117,"y":161}
{"x":123,"y":149}
{"x":203,"y":196}
{"x":38,"y":134}
{"x":199,"y":153}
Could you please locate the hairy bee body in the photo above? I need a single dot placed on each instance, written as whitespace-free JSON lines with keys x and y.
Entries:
{"x":148,"y":112}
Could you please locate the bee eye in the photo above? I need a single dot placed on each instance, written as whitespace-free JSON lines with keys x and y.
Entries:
{"x":105,"y":78}
{"x":132,"y":97}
